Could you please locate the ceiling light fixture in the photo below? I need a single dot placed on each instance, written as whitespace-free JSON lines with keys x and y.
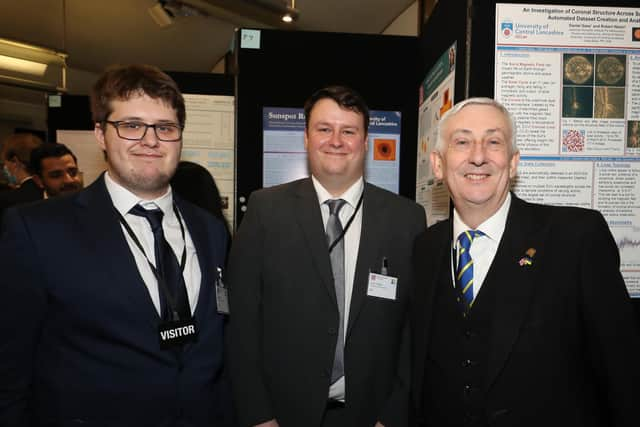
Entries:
{"x":27,"y":65}
{"x":23,"y":66}
{"x":291,"y":13}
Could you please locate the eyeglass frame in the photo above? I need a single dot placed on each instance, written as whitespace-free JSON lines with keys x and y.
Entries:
{"x":116,"y":124}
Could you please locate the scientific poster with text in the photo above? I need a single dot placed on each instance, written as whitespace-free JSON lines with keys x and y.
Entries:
{"x":436,"y":97}
{"x":570,"y":75}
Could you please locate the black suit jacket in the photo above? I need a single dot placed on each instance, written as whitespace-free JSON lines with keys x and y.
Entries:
{"x":80,"y":342}
{"x":564,"y":342}
{"x":28,"y":192}
{"x":284,"y":315}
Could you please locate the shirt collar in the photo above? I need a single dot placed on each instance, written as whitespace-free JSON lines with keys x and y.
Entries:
{"x":351,"y":196}
{"x":124,"y":200}
{"x":492,"y":227}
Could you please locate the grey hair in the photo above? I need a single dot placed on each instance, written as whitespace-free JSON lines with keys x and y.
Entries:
{"x":441,"y":144}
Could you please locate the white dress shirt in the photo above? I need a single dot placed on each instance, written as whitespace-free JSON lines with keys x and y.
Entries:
{"x":351,"y":246}
{"x":483,"y":248}
{"x":123,"y":200}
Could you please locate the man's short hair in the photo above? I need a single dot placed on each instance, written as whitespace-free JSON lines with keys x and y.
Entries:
{"x":20,"y":146}
{"x":441,"y":144}
{"x":46,"y":151}
{"x":121,"y":82}
{"x":345,"y":97}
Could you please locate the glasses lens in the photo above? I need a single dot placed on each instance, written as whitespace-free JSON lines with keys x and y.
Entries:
{"x":131,"y":130}
{"x":168,"y":132}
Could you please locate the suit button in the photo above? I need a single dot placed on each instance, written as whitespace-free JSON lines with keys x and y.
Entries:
{"x":467,"y":363}
{"x":469,"y":334}
{"x":468,"y":390}
{"x":332,"y":331}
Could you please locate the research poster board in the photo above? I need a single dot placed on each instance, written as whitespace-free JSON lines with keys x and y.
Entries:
{"x":570,"y":75}
{"x":436,"y":97}
{"x":208,"y":140}
{"x":285,"y":159}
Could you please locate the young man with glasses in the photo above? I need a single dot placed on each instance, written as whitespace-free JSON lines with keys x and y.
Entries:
{"x":129,"y":333}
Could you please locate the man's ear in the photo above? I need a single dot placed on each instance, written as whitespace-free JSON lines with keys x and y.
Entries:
{"x":436,"y":164}
{"x":98,"y":131}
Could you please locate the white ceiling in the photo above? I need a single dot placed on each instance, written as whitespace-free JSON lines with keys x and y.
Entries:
{"x":96,"y":33}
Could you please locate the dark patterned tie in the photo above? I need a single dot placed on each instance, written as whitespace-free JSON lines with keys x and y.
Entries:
{"x":167,"y":267}
{"x":334,"y":232}
{"x":464,"y":271}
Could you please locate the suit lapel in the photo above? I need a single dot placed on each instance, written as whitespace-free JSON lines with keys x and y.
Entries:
{"x":515,"y":282}
{"x":373,"y":224}
{"x":306,"y":200}
{"x":100,"y":225}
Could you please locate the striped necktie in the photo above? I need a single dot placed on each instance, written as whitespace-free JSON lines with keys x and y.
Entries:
{"x":464,"y":269}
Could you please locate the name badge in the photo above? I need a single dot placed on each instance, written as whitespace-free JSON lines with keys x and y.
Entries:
{"x":222,"y":294}
{"x":382,"y":286}
{"x":177,"y":333}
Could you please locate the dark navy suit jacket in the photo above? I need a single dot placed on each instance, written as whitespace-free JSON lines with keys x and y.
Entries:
{"x":80,"y":333}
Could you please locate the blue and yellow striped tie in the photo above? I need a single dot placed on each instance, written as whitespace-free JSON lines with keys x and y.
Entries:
{"x":464,"y":270}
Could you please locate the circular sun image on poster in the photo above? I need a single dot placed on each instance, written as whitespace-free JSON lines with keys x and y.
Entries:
{"x":384,"y":149}
{"x":610,"y":70}
{"x":578,"y":69}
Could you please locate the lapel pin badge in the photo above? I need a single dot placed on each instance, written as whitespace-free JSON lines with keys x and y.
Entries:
{"x":528,"y":258}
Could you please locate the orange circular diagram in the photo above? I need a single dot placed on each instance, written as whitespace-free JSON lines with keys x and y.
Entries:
{"x":384,"y":149}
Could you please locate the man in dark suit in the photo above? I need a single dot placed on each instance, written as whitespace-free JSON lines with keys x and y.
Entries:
{"x":16,"y":156}
{"x":317,"y":339}
{"x":108,"y":318}
{"x":520,"y":315}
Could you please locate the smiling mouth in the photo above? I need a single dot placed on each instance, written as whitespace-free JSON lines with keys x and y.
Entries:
{"x":148,"y":155}
{"x":476,"y":176}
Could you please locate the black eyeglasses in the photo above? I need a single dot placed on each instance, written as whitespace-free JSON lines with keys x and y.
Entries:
{"x":135,"y":131}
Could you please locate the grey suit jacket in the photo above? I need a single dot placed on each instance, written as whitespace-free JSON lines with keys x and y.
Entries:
{"x":284,"y":316}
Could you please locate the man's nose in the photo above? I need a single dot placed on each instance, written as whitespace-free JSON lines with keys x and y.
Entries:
{"x":477,"y":153}
{"x":150,"y":139}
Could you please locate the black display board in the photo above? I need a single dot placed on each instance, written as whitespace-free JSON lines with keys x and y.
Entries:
{"x":289,"y":66}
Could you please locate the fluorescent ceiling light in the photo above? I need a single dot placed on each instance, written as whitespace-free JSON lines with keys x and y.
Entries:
{"x":22,"y":65}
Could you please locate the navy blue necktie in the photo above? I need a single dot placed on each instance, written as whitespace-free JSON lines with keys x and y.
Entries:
{"x":167,"y":267}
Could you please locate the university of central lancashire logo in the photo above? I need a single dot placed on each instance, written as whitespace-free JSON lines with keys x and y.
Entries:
{"x":507,"y":28}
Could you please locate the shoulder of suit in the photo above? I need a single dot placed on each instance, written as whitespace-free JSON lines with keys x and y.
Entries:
{"x":390,"y":198}
{"x":282,"y":190}
{"x":568,"y":216}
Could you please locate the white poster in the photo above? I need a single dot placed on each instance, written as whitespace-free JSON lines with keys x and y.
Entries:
{"x":570,"y":75}
{"x":436,"y":97}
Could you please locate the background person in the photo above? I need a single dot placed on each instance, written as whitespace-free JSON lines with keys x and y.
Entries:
{"x":55,"y":169}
